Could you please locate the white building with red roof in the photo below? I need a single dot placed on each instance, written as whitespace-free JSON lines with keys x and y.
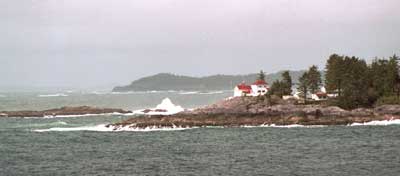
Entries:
{"x":242,"y":90}
{"x":258,"y":88}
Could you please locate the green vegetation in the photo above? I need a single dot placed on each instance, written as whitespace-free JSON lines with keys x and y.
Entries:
{"x":261,"y":75}
{"x":388,"y":100}
{"x":359,"y":84}
{"x":304,"y":85}
{"x":314,"y":79}
{"x":310,"y":82}
{"x":354,"y":82}
{"x":166,"y":81}
{"x":276,"y":88}
{"x":287,"y":83}
{"x":282,"y":87}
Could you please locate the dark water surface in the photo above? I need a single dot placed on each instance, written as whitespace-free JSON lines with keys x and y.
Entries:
{"x":340,"y":150}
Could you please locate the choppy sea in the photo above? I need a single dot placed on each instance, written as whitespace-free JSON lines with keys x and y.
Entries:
{"x":81,"y":146}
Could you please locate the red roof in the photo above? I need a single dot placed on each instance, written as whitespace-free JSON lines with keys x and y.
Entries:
{"x":244,"y":88}
{"x":260,"y":82}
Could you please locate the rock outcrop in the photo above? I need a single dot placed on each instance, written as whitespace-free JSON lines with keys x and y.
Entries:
{"x":252,"y":111}
{"x":80,"y":110}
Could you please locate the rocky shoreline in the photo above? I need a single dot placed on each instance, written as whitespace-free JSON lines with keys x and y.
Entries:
{"x":241,"y":111}
{"x":64,"y":111}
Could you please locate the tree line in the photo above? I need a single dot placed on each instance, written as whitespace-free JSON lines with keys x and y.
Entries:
{"x":353,"y":82}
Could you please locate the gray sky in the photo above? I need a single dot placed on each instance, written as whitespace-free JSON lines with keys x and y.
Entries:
{"x":87,"y":43}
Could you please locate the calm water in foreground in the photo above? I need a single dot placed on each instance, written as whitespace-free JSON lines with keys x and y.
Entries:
{"x":67,"y":149}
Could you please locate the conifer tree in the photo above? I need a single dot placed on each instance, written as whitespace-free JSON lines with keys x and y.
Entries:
{"x":304,"y":86}
{"x":286,"y":83}
{"x":261,"y":75}
{"x":314,"y":79}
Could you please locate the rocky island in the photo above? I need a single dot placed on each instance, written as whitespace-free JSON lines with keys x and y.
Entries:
{"x":256,"y":111}
{"x":347,"y":91}
{"x":64,"y":111}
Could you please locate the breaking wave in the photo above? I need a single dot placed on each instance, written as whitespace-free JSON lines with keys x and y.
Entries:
{"x":98,"y":93}
{"x":211,"y":93}
{"x":54,"y":95}
{"x":188,"y":93}
{"x":285,"y":126}
{"x":142,"y":92}
{"x":88,"y":115}
{"x":166,"y":107}
{"x":378,"y":123}
{"x":104,"y":128}
{"x":58,"y":123}
{"x":201,"y":93}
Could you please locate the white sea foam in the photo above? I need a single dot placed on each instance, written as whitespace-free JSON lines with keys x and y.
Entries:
{"x":378,"y":123}
{"x":211,"y":93}
{"x":122,"y":93}
{"x":54,"y":95}
{"x":151,"y":128}
{"x":165,"y":105}
{"x":201,"y":93}
{"x":86,"y":115}
{"x":189,"y":93}
{"x":285,"y":126}
{"x":140,"y":92}
{"x":99,"y":93}
{"x":101,"y":128}
{"x":58,"y":123}
{"x":104,"y":128}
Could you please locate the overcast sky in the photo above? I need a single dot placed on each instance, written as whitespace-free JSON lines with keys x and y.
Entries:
{"x":86,"y":43}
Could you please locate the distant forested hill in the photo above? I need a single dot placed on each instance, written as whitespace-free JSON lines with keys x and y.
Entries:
{"x":167,"y":81}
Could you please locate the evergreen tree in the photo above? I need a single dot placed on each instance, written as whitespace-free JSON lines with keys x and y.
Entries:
{"x":354,"y":84}
{"x":314,"y":79}
{"x":286,"y":83}
{"x":304,"y":86}
{"x":334,"y":74}
{"x":393,"y":69}
{"x":261,"y":75}
{"x":277,"y":88}
{"x":362,"y":85}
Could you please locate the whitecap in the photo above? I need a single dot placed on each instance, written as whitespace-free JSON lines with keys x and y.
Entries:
{"x":83,"y":128}
{"x":167,"y":107}
{"x":188,"y":93}
{"x":378,"y":123}
{"x":137,"y":92}
{"x":86,"y":115}
{"x":284,"y":126}
{"x":58,"y":123}
{"x":104,"y":128}
{"x":151,"y":128}
{"x":211,"y":93}
{"x":99,"y":93}
{"x":122,"y":93}
{"x":54,"y":95}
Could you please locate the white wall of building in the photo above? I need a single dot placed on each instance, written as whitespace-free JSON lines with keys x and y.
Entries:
{"x":258,"y":90}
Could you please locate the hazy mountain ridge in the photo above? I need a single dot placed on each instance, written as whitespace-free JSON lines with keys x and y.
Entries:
{"x":167,"y":81}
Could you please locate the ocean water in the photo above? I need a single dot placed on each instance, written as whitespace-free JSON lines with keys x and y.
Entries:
{"x":127,"y":101}
{"x":79,"y":146}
